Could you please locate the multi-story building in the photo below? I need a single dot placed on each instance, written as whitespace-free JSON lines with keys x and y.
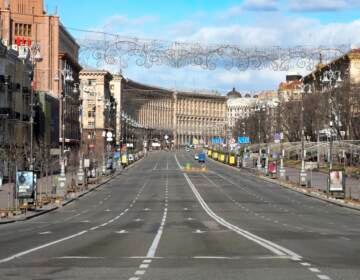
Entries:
{"x":25,"y":25}
{"x":183,"y":117}
{"x":15,"y":89}
{"x":115,"y":89}
{"x":98,"y":115}
{"x":341,"y":91}
{"x":239,"y":107}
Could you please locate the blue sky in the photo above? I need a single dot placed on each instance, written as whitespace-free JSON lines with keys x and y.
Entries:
{"x":248,"y":22}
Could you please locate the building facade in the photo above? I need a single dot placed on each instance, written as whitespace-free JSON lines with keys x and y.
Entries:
{"x":340,"y":92}
{"x":115,"y":89}
{"x":15,"y":89}
{"x":26,"y":26}
{"x":239,"y":107}
{"x":98,"y":116}
{"x":181,"y":117}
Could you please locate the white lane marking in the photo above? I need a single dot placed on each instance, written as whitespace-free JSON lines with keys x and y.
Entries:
{"x":85,"y":221}
{"x":177,"y":161}
{"x":138,"y":220}
{"x":78,"y":257}
{"x":314,"y":269}
{"x":199,"y":231}
{"x":121,"y":231}
{"x":134,"y":278}
{"x":147,"y":209}
{"x":305,"y":264}
{"x":94,"y":228}
{"x":107,"y":210}
{"x":18,"y":255}
{"x":45,"y":232}
{"x":273,"y":247}
{"x":323,"y":277}
{"x":140,"y":272}
{"x":156,"y":241}
{"x":146,"y":261}
{"x":155,"y":166}
{"x":144,"y":266}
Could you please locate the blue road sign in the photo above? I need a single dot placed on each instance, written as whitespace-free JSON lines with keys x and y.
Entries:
{"x":217,"y":140}
{"x":243,"y":140}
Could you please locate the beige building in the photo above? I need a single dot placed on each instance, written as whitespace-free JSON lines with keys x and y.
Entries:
{"x":186,"y":117}
{"x":115,"y":89}
{"x":239,"y":107}
{"x":345,"y":96}
{"x":98,"y":114}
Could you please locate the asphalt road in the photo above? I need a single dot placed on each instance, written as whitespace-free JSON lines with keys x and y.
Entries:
{"x":156,"y":222}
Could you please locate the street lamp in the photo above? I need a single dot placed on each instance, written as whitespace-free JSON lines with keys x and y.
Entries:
{"x":304,"y":88}
{"x":331,"y":79}
{"x":67,"y":77}
{"x":34,"y":54}
{"x":259,"y":109}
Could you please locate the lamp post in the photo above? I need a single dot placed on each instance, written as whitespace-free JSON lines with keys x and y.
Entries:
{"x":304,"y":88}
{"x":66,"y":77}
{"x":331,"y":79}
{"x":33,"y":52}
{"x":259,"y":109}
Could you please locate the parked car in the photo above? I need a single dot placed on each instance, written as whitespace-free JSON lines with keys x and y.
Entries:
{"x":196,"y":157}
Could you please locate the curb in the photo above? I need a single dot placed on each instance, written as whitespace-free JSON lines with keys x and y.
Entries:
{"x":315,"y":195}
{"x":72,"y":199}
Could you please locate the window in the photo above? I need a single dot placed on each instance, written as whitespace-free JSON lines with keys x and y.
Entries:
{"x":22,"y":29}
{"x":91,"y":124}
{"x":91,"y":114}
{"x":92,"y":82}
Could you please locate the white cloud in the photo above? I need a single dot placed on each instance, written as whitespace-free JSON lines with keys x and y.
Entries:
{"x":260,"y":5}
{"x":322,"y":5}
{"x":273,"y":30}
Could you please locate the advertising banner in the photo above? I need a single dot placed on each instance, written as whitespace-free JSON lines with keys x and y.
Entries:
{"x":336,"y":183}
{"x":25,"y":184}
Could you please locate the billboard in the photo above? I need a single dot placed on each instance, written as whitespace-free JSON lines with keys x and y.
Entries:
{"x":336,"y":183}
{"x":25,"y":184}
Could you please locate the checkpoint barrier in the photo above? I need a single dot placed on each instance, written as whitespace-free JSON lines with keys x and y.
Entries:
{"x":215,"y":155}
{"x":222,"y":157}
{"x":232,"y":160}
{"x":190,"y":169}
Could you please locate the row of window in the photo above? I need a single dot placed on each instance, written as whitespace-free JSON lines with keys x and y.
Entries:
{"x":23,"y":29}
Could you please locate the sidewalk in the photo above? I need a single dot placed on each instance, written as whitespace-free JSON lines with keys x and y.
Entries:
{"x":318,"y":180}
{"x":8,"y":189}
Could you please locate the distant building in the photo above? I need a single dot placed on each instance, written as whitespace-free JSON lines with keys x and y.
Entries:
{"x":347,"y":72}
{"x":115,"y":89}
{"x":98,"y":115}
{"x":239,"y":107}
{"x":290,"y":89}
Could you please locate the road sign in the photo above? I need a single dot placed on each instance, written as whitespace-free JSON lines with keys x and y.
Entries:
{"x":109,"y":134}
{"x":217,"y":140}
{"x":243,"y":140}
{"x":166,"y":137}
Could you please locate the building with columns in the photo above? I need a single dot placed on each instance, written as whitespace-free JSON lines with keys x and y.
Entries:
{"x":185,"y":117}
{"x":239,"y":107}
